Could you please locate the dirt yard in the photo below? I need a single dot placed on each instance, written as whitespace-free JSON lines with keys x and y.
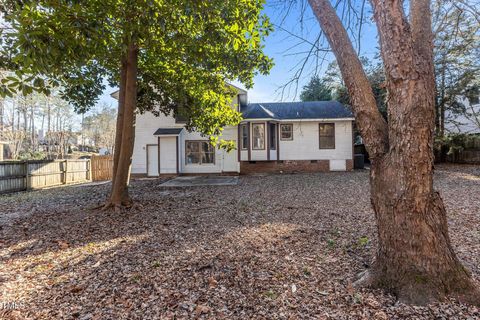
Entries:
{"x":272,"y":247}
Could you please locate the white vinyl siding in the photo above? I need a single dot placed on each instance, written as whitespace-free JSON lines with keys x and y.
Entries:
{"x":305,"y":145}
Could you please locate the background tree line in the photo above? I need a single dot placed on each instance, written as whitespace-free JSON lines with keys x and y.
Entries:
{"x":457,"y":68}
{"x":41,"y":126}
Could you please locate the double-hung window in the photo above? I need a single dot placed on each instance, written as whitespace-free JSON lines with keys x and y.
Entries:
{"x":199,"y":152}
{"x":258,"y":136}
{"x":272,"y":136}
{"x":327,"y":135}
{"x":286,"y":131}
{"x":244,"y":135}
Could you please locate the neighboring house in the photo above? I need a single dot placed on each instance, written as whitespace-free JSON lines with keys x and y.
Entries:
{"x":272,"y":137}
{"x":467,"y":121}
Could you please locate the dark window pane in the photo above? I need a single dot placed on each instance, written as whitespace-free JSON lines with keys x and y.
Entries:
{"x":259,"y":136}
{"x":208,"y":157}
{"x":199,"y":152}
{"x":244,"y":136}
{"x":327,"y":129}
{"x":286,"y":132}
{"x":207,"y":147}
{"x":273,"y":136}
{"x":327,"y":135}
{"x":192,"y":146}
{"x":193,"y":158}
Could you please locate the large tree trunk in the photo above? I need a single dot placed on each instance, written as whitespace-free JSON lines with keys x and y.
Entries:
{"x":119,"y":196}
{"x":120,"y":114}
{"x":415,"y":259}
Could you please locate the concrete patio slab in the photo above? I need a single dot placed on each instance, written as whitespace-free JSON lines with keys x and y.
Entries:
{"x":194,"y":181}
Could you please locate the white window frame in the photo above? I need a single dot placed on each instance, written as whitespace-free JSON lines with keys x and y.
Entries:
{"x":326,"y":136}
{"x":263,"y":137}
{"x":291,"y":131}
{"x":242,"y":128}
{"x":200,"y":152}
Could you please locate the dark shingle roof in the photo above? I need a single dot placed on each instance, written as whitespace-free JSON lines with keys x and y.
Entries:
{"x":297,"y":110}
{"x":166,"y":131}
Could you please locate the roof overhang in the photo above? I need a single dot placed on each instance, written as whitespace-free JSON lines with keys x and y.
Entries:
{"x":168,"y":132}
{"x":301,"y":120}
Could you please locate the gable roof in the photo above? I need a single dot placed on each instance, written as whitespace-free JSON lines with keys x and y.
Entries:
{"x":297,"y":110}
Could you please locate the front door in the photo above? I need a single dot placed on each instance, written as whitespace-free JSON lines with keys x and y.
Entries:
{"x":168,"y":155}
{"x":152,"y":160}
{"x":230,"y":161}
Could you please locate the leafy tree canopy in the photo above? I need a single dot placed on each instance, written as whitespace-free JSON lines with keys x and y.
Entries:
{"x":332,"y":87}
{"x":317,"y":89}
{"x":188,"y":50}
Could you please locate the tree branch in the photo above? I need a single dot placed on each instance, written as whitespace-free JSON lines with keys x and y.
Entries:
{"x":422,"y":36}
{"x":373,"y":127}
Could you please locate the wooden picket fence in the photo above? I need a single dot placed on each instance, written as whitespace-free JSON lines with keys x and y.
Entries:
{"x":102,"y":168}
{"x":36,"y":174}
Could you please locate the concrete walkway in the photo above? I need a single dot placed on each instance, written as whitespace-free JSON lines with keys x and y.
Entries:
{"x":193,"y":181}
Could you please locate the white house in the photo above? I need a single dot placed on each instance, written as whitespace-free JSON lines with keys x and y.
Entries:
{"x":467,"y":121}
{"x":272,"y":137}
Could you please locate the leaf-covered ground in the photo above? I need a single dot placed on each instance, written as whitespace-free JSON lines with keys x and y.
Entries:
{"x":277,"y":246}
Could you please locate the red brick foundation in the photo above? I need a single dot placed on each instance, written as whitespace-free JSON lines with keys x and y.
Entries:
{"x":349,"y":165}
{"x":285,"y":166}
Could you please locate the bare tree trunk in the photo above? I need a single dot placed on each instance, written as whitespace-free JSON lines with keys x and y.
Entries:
{"x":2,"y":112}
{"x":25,"y":122}
{"x":119,"y":196}
{"x":48,"y":115}
{"x":440,"y":112}
{"x":13,"y":116}
{"x":32,"y":115}
{"x":415,"y":259}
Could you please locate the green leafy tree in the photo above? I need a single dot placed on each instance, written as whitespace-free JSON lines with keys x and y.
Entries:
{"x":332,"y":87}
{"x":317,"y":89}
{"x":164,"y":56}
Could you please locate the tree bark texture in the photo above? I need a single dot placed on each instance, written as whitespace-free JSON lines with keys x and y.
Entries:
{"x":415,"y":259}
{"x":120,"y":114}
{"x":126,"y":124}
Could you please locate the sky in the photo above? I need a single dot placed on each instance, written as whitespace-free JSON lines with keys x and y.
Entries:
{"x":288,"y":50}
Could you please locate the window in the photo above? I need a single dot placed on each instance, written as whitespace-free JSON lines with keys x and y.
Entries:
{"x":179,"y":113}
{"x":272,"y":136}
{"x":286,"y":131}
{"x":244,"y":135}
{"x":199,"y":152}
{"x":327,"y":135}
{"x":258,"y":135}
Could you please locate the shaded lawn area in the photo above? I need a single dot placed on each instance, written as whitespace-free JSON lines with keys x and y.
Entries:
{"x":278,"y":246}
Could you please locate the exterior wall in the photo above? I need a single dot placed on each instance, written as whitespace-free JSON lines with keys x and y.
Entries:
{"x":244,"y":155}
{"x":295,"y":154}
{"x":305,"y":143}
{"x":288,"y":166}
{"x":459,"y":123}
{"x":229,"y":133}
{"x":147,"y":124}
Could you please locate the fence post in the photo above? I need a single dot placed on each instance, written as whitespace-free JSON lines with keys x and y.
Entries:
{"x":89,"y":169}
{"x":93,"y":168}
{"x":65,"y":170}
{"x":27,"y":176}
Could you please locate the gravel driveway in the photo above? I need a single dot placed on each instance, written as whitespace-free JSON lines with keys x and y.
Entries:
{"x":278,"y":246}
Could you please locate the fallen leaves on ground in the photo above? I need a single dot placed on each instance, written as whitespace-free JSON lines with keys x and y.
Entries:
{"x":272,"y":247}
